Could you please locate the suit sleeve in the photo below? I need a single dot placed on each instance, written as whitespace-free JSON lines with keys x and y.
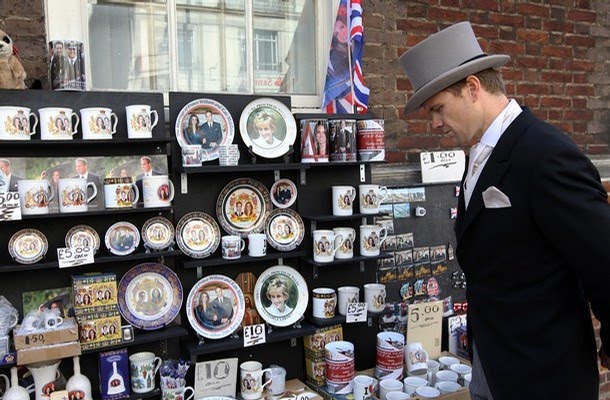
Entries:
{"x":571,"y":208}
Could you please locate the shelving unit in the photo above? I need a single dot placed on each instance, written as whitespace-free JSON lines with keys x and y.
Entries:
{"x":143,"y":337}
{"x":244,"y":259}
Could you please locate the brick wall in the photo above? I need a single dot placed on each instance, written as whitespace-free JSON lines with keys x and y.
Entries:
{"x":560,"y":67}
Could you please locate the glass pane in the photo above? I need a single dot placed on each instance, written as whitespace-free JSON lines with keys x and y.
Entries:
{"x":212,"y":45}
{"x":284,"y":46}
{"x":129,"y":45}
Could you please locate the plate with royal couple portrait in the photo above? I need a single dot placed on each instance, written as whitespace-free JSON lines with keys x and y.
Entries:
{"x":215,"y":306}
{"x":158,"y":233}
{"x":284,"y":229}
{"x":122,"y":238}
{"x":281,"y":295}
{"x":150,"y":296}
{"x":283,"y":193}
{"x":242,"y":206}
{"x":206,"y":123}
{"x":197,"y":234}
{"x":28,"y":246}
{"x":268,"y":126}
{"x":81,"y":236}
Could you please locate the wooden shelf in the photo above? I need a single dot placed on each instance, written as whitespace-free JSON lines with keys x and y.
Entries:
{"x":110,"y":212}
{"x":330,"y":218}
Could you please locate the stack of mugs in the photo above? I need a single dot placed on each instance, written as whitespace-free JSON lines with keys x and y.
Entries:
{"x":228,"y":154}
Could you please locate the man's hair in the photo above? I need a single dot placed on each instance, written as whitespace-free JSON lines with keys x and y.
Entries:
{"x":5,"y":161}
{"x":147,"y":159}
{"x":82,"y":160}
{"x":491,"y":81}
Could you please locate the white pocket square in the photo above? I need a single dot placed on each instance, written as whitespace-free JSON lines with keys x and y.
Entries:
{"x":494,"y":198}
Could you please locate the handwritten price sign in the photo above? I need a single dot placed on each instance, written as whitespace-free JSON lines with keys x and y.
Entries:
{"x":356,"y":312}
{"x":9,"y":206}
{"x":254,"y":334}
{"x":74,"y":256}
{"x":425,"y":326}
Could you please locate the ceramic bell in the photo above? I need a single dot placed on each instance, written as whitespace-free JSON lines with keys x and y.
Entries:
{"x":116,"y":384}
{"x":78,"y":386}
{"x":15,"y":392}
{"x":45,"y":375}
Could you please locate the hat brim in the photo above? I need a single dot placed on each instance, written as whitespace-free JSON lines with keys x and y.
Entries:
{"x":447,"y":79}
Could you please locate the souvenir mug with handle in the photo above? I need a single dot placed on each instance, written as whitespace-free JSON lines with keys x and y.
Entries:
{"x":416,"y":357}
{"x":364,"y":387}
{"x":277,"y":376}
{"x":178,"y":393}
{"x":324,"y":302}
{"x":347,"y":295}
{"x":35,"y":196}
{"x":257,"y":244}
{"x":72,"y":194}
{"x":343,"y":200}
{"x":56,"y":123}
{"x":140,"y":121}
{"x":346,"y":250}
{"x":144,"y":367}
{"x":232,"y":246}
{"x":15,"y":123}
{"x":325,"y":244}
{"x":370,"y":198}
{"x":97,"y":123}
{"x":251,"y":378}
{"x":158,"y":191}
{"x":120,"y":193}
{"x":374,"y":296}
{"x":371,"y":239}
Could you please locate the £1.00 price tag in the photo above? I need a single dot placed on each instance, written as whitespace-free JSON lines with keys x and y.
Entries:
{"x":9,"y":206}
{"x":74,"y":256}
{"x":356,"y":312}
{"x":254,"y":334}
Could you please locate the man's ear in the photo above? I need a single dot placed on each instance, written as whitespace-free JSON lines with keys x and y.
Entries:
{"x":473,"y":86}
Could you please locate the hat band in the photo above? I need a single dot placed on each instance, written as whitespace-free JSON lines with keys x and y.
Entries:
{"x":473,"y":58}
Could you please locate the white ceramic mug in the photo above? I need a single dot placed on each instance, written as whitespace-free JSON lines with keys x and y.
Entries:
{"x":416,"y":357}
{"x":343,"y":200}
{"x":140,"y":122}
{"x":389,"y":385}
{"x":143,"y":367}
{"x":257,"y":244}
{"x":433,"y":367}
{"x":445,"y":375}
{"x":374,"y":296}
{"x":35,"y":196}
{"x":370,"y":198}
{"x":347,"y":295}
{"x":97,"y":123}
{"x":411,"y":383}
{"x":120,"y":193}
{"x":446,"y":387}
{"x":364,"y":387}
{"x":325,"y":244}
{"x":52,"y":320}
{"x":371,"y":239}
{"x":462,"y":370}
{"x":467,"y":380}
{"x":232,"y":246}
{"x":346,"y":250}
{"x":72,"y":196}
{"x":56,"y":123}
{"x":251,"y":378}
{"x":397,"y":396}
{"x":277,"y":376}
{"x":178,"y":393}
{"x":324,"y":302}
{"x":447,"y":361}
{"x":15,"y":123}
{"x":427,"y":392}
{"x":157,"y":191}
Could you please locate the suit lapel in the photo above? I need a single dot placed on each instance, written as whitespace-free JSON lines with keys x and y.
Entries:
{"x":495,"y":168}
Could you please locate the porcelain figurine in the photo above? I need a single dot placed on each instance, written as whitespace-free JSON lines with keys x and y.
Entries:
{"x":78,"y":386}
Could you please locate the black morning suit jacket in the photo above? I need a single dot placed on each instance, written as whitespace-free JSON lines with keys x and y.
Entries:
{"x":533,"y":268}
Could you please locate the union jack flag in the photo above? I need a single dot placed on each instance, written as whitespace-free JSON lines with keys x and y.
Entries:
{"x":344,"y":90}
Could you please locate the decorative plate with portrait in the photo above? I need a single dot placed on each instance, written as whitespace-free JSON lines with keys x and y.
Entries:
{"x":122,"y":238}
{"x":198,"y":235}
{"x":28,"y":246}
{"x":150,"y":296}
{"x":243,"y":206}
{"x":284,"y":229}
{"x":83,"y":236}
{"x":281,"y":295}
{"x":205,"y":122}
{"x":268,"y":126}
{"x":158,"y":233}
{"x":215,"y":306}
{"x":283,"y":193}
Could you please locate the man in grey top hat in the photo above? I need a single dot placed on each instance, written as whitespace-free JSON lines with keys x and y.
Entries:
{"x":532,"y":228}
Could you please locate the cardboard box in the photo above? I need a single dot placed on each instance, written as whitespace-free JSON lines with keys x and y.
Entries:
{"x":94,"y":292}
{"x":66,"y":332}
{"x":295,"y":387}
{"x":314,"y":344}
{"x":315,"y":371}
{"x":100,"y":329}
{"x":45,"y":353}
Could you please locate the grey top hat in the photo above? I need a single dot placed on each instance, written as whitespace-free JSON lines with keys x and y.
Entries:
{"x":443,"y":59}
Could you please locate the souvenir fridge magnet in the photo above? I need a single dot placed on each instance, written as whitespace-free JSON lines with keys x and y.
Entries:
{"x":28,"y":246}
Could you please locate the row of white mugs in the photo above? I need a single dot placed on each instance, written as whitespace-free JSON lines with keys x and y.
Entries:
{"x":338,"y":243}
{"x":61,"y":123}
{"x":35,"y":195}
{"x":326,"y":300}
{"x":369,"y":199}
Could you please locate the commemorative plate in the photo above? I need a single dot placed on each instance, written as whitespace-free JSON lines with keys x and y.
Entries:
{"x":158,"y":233}
{"x":242,"y":206}
{"x":268,"y":126}
{"x":122,"y":238}
{"x":197,"y":234}
{"x":215,"y":306}
{"x":150,"y":296}
{"x":83,"y":236}
{"x":205,"y":122}
{"x":28,"y":246}
{"x":281,"y":295}
{"x":283,"y":193}
{"x":284,"y":229}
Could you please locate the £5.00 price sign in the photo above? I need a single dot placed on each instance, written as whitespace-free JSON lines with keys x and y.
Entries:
{"x":425,"y":326}
{"x":74,"y":256}
{"x":9,"y":206}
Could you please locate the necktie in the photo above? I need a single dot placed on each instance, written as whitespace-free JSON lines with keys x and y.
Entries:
{"x":483,"y":153}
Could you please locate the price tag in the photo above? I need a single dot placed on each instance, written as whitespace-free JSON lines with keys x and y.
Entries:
{"x":425,"y":326}
{"x":254,"y":334}
{"x":74,"y":256}
{"x":356,"y":312}
{"x":9,"y":206}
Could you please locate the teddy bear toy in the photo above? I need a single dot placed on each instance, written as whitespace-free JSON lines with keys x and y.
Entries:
{"x":12,"y":74}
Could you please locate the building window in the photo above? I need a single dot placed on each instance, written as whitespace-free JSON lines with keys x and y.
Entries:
{"x":265,"y":51}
